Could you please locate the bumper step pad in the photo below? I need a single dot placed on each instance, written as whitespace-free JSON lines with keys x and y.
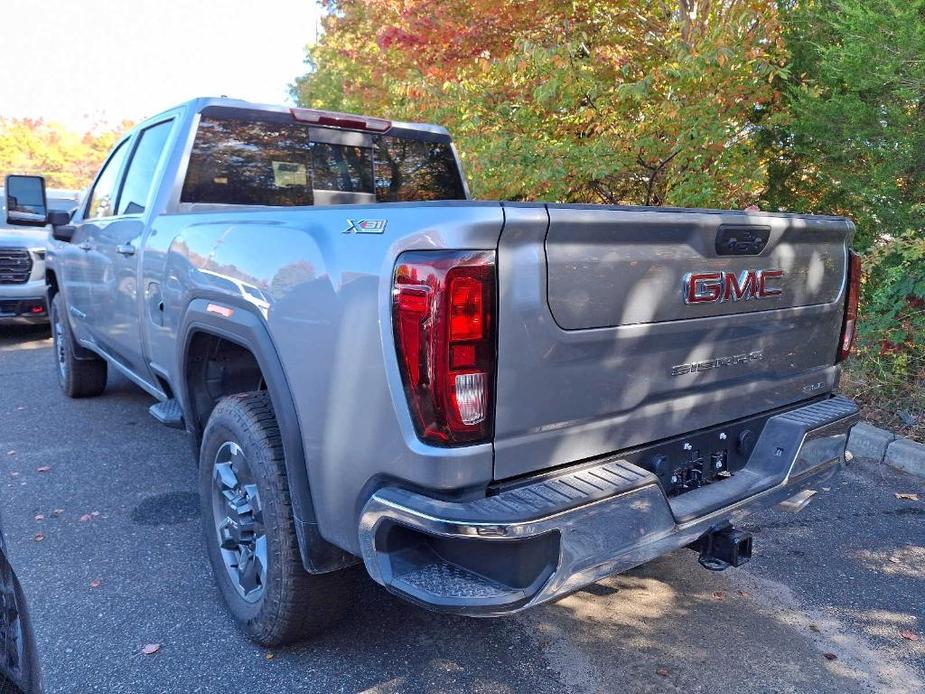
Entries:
{"x":454,"y":582}
{"x":547,"y":537}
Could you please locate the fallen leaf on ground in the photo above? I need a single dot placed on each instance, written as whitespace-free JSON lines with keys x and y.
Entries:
{"x":86,"y":517}
{"x":57,"y":512}
{"x":662,"y":672}
{"x":38,"y":537}
{"x":43,"y":468}
{"x":96,"y":583}
{"x":909,"y":635}
{"x":830,"y":656}
{"x":39,"y":516}
{"x":907,"y":496}
{"x":719,"y":594}
{"x":150,"y":648}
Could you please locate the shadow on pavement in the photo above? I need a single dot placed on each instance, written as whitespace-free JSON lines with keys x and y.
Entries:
{"x":24,"y":337}
{"x":666,"y":626}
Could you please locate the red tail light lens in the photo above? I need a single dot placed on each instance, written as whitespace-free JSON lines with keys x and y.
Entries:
{"x":849,"y":327}
{"x":443,"y":319}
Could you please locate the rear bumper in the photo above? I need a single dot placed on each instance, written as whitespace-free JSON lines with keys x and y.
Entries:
{"x":534,"y":543}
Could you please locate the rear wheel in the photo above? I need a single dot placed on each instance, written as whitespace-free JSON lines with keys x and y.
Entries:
{"x":250,"y":531}
{"x":78,"y":378}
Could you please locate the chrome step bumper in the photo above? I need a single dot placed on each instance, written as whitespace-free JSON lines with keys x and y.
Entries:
{"x":530,"y":544}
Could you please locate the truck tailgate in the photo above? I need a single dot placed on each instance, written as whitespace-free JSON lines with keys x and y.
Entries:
{"x":604,"y":346}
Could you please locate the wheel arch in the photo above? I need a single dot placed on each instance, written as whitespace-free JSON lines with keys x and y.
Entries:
{"x":51,"y":284}
{"x":246,"y":329}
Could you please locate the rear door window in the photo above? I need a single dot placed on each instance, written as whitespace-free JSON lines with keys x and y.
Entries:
{"x":139,"y":179}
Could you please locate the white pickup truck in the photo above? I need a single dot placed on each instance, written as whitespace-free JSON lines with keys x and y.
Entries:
{"x":22,"y":263}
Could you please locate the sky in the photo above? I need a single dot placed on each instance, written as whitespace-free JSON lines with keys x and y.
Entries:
{"x":85,"y":62}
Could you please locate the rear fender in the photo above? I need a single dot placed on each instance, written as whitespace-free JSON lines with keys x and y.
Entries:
{"x":246,"y":328}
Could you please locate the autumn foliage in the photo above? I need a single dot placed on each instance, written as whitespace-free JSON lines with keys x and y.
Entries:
{"x":610,"y":101}
{"x":66,"y":158}
{"x":795,"y":105}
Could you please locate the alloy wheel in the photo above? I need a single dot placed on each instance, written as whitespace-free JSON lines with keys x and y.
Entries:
{"x":238,"y":519}
{"x":60,"y":350}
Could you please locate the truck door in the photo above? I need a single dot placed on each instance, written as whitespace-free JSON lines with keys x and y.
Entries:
{"x":76,"y":257}
{"x":115,"y":255}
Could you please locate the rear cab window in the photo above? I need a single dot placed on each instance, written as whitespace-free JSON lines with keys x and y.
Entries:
{"x":244,"y":157}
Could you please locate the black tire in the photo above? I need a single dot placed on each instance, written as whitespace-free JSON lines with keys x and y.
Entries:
{"x":78,"y":378}
{"x":290,"y":604}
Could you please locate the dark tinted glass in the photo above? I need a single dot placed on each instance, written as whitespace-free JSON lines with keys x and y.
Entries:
{"x":415,"y":170}
{"x":251,"y":162}
{"x":240,"y":162}
{"x":341,"y":167}
{"x":139,"y":179}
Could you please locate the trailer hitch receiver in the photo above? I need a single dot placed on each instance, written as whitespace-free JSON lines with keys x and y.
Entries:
{"x":722,"y":547}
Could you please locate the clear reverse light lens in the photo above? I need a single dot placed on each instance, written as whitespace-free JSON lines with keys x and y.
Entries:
{"x":471,"y":394}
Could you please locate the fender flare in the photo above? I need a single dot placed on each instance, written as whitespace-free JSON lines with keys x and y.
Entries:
{"x":245,"y":328}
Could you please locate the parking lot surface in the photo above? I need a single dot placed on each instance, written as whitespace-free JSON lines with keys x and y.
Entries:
{"x":100,"y":510}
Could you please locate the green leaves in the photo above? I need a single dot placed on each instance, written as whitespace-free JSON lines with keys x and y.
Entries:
{"x":606,"y":101}
{"x":852,"y":141}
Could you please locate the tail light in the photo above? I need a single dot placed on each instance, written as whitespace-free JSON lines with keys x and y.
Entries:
{"x":443,"y":306}
{"x":849,"y":326}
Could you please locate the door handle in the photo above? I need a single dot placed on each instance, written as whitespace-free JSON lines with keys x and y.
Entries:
{"x":125,"y":249}
{"x":85,"y":246}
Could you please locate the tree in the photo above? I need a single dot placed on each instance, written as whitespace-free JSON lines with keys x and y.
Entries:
{"x":67,"y":159}
{"x":851,"y":141}
{"x":609,"y":101}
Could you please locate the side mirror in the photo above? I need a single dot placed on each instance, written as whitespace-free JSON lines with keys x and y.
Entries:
{"x":61,"y":227}
{"x":58,"y":218}
{"x":26,"y":204}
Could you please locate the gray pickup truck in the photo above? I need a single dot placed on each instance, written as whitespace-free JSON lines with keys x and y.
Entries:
{"x":488,"y":404}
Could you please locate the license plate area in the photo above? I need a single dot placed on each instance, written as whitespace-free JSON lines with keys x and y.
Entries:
{"x":703,"y":457}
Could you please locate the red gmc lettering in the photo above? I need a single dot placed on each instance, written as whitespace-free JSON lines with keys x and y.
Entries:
{"x":743,"y":287}
{"x":704,"y":287}
{"x":720,"y":287}
{"x":763,"y":289}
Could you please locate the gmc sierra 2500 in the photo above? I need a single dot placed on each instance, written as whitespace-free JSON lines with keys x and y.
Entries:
{"x":489,"y":404}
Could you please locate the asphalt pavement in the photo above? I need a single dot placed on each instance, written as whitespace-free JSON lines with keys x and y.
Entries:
{"x":100,"y":511}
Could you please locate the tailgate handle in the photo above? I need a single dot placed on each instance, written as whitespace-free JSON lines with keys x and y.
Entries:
{"x":741,"y":239}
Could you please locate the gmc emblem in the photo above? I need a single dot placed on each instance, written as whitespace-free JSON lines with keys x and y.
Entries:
{"x":720,"y":287}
